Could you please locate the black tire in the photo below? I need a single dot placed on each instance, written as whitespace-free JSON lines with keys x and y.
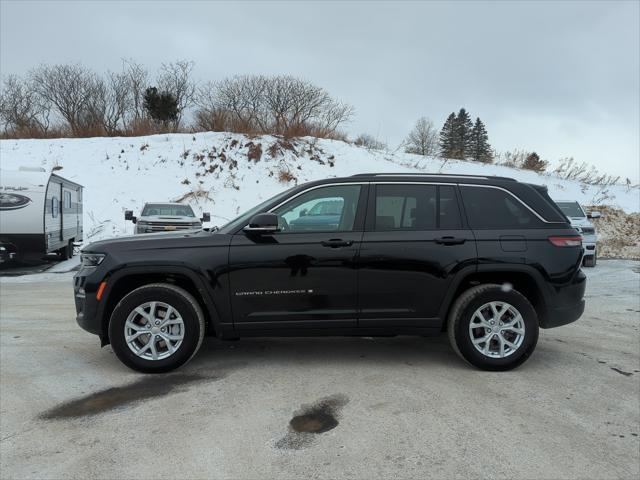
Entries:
{"x":589,"y":260}
{"x":180,"y":300}
{"x":461,"y":315}
{"x":66,"y":252}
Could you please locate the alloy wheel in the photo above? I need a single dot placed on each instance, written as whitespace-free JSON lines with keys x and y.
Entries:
{"x":154,"y":330}
{"x":497,"y":329}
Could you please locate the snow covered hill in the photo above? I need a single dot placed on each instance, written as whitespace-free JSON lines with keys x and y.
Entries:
{"x":225,"y":173}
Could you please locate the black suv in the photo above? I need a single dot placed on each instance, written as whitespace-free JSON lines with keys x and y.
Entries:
{"x":487,"y":259}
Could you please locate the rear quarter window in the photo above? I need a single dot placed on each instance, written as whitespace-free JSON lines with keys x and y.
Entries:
{"x":492,"y":208}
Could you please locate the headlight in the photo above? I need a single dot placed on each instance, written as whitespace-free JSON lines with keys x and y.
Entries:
{"x":91,"y":260}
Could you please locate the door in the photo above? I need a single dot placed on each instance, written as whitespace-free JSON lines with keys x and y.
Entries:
{"x":303,"y":276}
{"x":62,"y":213}
{"x":415,"y":242}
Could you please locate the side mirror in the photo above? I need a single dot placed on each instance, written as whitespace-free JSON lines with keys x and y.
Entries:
{"x":303,"y":213}
{"x":263,"y":223}
{"x":206,"y":217}
{"x":128,"y":215}
{"x":594,"y":214}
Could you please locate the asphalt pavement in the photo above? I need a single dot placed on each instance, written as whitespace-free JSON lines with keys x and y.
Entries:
{"x":369,"y":408}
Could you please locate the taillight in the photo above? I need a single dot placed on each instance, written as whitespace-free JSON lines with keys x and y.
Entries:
{"x":566,"y":241}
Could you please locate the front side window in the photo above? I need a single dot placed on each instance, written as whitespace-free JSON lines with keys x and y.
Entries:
{"x":324,"y":209}
{"x":416,"y":207}
{"x":493,"y":208}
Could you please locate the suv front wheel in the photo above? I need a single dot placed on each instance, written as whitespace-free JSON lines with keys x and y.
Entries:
{"x":492,"y":327}
{"x":156,"y":328}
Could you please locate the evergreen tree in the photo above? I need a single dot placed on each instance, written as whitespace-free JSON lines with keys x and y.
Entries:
{"x":462,"y":135}
{"x":480,"y":150}
{"x":447,"y":140}
{"x":162,"y":107}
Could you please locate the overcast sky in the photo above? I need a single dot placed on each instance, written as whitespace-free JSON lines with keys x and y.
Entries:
{"x":561,"y":78}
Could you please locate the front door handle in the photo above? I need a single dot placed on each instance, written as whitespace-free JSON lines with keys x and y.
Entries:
{"x":336,"y":243}
{"x":450,"y":241}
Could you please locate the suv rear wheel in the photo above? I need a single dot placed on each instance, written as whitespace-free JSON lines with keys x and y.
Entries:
{"x":156,"y":328}
{"x":493,"y":328}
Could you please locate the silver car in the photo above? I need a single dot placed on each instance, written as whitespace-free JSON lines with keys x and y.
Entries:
{"x":580,"y":221}
{"x":166,"y":217}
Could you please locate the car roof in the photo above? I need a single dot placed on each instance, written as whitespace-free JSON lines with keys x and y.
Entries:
{"x":418,"y":177}
{"x":438,"y":176}
{"x":168,"y":203}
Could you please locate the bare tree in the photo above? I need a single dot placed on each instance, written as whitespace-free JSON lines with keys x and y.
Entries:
{"x":243,"y":97}
{"x":67,"y":87}
{"x":138,"y":81}
{"x":109,"y":102}
{"x":175,"y":78}
{"x":210,"y":116}
{"x":281,"y":104}
{"x":423,"y":139}
{"x":22,"y":110}
{"x":333,"y":115}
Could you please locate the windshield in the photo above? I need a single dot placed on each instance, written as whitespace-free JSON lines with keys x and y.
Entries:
{"x":152,"y":209}
{"x":571,"y":209}
{"x":246,"y":216}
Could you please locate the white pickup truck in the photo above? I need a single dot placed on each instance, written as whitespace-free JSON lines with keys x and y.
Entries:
{"x":166,"y":217}
{"x":580,"y":221}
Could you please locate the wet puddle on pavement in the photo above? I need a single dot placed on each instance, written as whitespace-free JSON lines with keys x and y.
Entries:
{"x":113,"y":398}
{"x":311,"y":420}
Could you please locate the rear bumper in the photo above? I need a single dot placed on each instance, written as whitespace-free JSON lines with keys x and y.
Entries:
{"x":563,"y":315}
{"x":568,"y":305}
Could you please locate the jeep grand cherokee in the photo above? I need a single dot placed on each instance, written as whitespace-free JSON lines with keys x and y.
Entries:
{"x":489,"y":260}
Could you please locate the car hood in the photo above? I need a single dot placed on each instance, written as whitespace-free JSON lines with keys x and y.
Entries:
{"x":168,"y":219}
{"x":157,"y":241}
{"x":580,"y":222}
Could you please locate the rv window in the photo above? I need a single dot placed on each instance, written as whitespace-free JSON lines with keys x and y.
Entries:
{"x":67,"y":200}
{"x":54,"y":207}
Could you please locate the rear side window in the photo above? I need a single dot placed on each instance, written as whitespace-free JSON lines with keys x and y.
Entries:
{"x":416,"y":207}
{"x":494,"y":208}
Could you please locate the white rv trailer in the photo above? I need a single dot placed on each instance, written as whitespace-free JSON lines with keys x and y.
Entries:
{"x":40,"y":213}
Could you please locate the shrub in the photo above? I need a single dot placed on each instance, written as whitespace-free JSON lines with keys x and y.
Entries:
{"x":534,"y":162}
{"x":369,"y":142}
{"x":285,"y":176}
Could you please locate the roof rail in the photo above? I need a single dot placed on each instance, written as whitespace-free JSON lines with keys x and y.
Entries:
{"x":485,"y":177}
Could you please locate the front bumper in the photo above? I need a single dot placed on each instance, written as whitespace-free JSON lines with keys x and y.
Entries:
{"x":84,"y":294}
{"x":589,"y":244}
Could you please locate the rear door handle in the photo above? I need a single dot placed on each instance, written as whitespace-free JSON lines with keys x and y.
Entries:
{"x":450,"y":241}
{"x":336,"y":243}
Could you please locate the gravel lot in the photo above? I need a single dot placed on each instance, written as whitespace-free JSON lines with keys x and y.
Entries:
{"x":381,"y":408}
